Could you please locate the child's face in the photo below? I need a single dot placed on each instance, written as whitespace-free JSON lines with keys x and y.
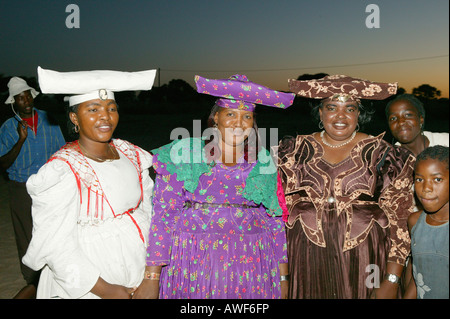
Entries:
{"x":431,"y":185}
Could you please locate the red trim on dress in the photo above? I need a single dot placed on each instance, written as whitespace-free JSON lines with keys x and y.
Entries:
{"x":73,"y":146}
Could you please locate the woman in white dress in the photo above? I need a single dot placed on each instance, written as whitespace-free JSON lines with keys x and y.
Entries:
{"x":91,"y":205}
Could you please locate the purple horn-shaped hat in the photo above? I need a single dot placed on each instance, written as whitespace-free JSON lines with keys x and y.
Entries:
{"x":237,"y":92}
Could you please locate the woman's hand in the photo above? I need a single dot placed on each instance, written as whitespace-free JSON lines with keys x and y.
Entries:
{"x":284,"y":270}
{"x":284,"y":289}
{"x":148,"y":289}
{"x":106,"y":290}
{"x":387,"y":290}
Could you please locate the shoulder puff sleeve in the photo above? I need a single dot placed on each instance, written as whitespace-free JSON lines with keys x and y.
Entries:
{"x":56,"y":203}
{"x":397,"y":198}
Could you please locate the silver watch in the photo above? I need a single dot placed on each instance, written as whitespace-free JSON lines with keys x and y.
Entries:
{"x":392,"y":278}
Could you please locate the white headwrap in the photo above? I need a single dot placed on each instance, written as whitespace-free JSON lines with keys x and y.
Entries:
{"x":96,"y":84}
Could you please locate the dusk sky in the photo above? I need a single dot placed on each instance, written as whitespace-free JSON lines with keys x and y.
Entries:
{"x":269,"y":41}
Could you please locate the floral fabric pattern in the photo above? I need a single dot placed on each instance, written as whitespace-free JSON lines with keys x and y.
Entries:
{"x":374,"y":186}
{"x":237,"y":92}
{"x":214,"y":251}
{"x":344,"y":216}
{"x":422,"y":288}
{"x":342,"y":84}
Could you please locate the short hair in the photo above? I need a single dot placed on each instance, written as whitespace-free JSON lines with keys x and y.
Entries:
{"x":365,"y":113}
{"x":437,"y":152}
{"x":411,"y":99}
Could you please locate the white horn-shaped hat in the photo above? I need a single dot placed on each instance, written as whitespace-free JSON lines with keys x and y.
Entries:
{"x":91,"y":85}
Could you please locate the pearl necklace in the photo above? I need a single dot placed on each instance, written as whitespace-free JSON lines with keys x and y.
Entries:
{"x":338,"y":145}
{"x":98,"y":159}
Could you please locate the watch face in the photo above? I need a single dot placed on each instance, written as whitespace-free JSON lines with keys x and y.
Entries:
{"x":392,"y":278}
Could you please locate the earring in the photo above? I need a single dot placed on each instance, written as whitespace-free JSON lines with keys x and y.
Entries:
{"x":357,"y":127}
{"x":215,"y":125}
{"x":76,"y":128}
{"x":321,"y":125}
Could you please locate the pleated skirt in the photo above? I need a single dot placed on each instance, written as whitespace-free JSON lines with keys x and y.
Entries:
{"x":221,"y":266}
{"x":329,"y":272}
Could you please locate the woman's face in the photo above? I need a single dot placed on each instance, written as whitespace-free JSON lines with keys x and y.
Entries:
{"x":404,"y":121}
{"x":234,"y":125}
{"x":97,"y":120}
{"x":431,"y":184}
{"x":339,"y":118}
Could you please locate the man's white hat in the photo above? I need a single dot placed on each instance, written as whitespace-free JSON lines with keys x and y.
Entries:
{"x":16,"y":86}
{"x":91,"y":85}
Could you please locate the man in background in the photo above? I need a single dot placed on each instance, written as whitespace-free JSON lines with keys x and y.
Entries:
{"x":27,"y":140}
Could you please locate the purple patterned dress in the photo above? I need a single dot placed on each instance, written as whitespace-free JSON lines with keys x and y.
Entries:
{"x":215,"y":251}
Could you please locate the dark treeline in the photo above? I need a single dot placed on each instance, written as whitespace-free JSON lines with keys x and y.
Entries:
{"x":181,"y":99}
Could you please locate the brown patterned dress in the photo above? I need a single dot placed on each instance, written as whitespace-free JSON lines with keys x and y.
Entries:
{"x":346,"y":220}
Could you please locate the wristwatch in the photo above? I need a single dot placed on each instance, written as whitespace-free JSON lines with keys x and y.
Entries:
{"x":392,"y":278}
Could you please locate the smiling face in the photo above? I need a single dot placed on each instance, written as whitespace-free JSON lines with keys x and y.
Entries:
{"x":234,"y":125}
{"x":404,"y":121}
{"x":431,"y":185}
{"x":339,"y":118}
{"x":24,"y":104}
{"x":97,"y":120}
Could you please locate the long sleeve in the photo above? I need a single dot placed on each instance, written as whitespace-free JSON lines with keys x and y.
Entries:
{"x":54,"y":241}
{"x":167,"y":205}
{"x":397,"y":200}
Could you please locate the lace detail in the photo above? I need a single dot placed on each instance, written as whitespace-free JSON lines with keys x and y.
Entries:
{"x":187,"y":159}
{"x":261,"y":184}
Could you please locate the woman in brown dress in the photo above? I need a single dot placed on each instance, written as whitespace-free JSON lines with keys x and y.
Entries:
{"x":348,"y":197}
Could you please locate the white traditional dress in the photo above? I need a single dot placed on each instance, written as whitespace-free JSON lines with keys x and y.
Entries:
{"x":90,"y":220}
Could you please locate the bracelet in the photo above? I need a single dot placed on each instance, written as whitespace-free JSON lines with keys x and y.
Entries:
{"x":284,"y":278}
{"x":151,"y":275}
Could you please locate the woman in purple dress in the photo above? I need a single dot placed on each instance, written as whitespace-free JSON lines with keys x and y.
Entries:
{"x":216,"y":230}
